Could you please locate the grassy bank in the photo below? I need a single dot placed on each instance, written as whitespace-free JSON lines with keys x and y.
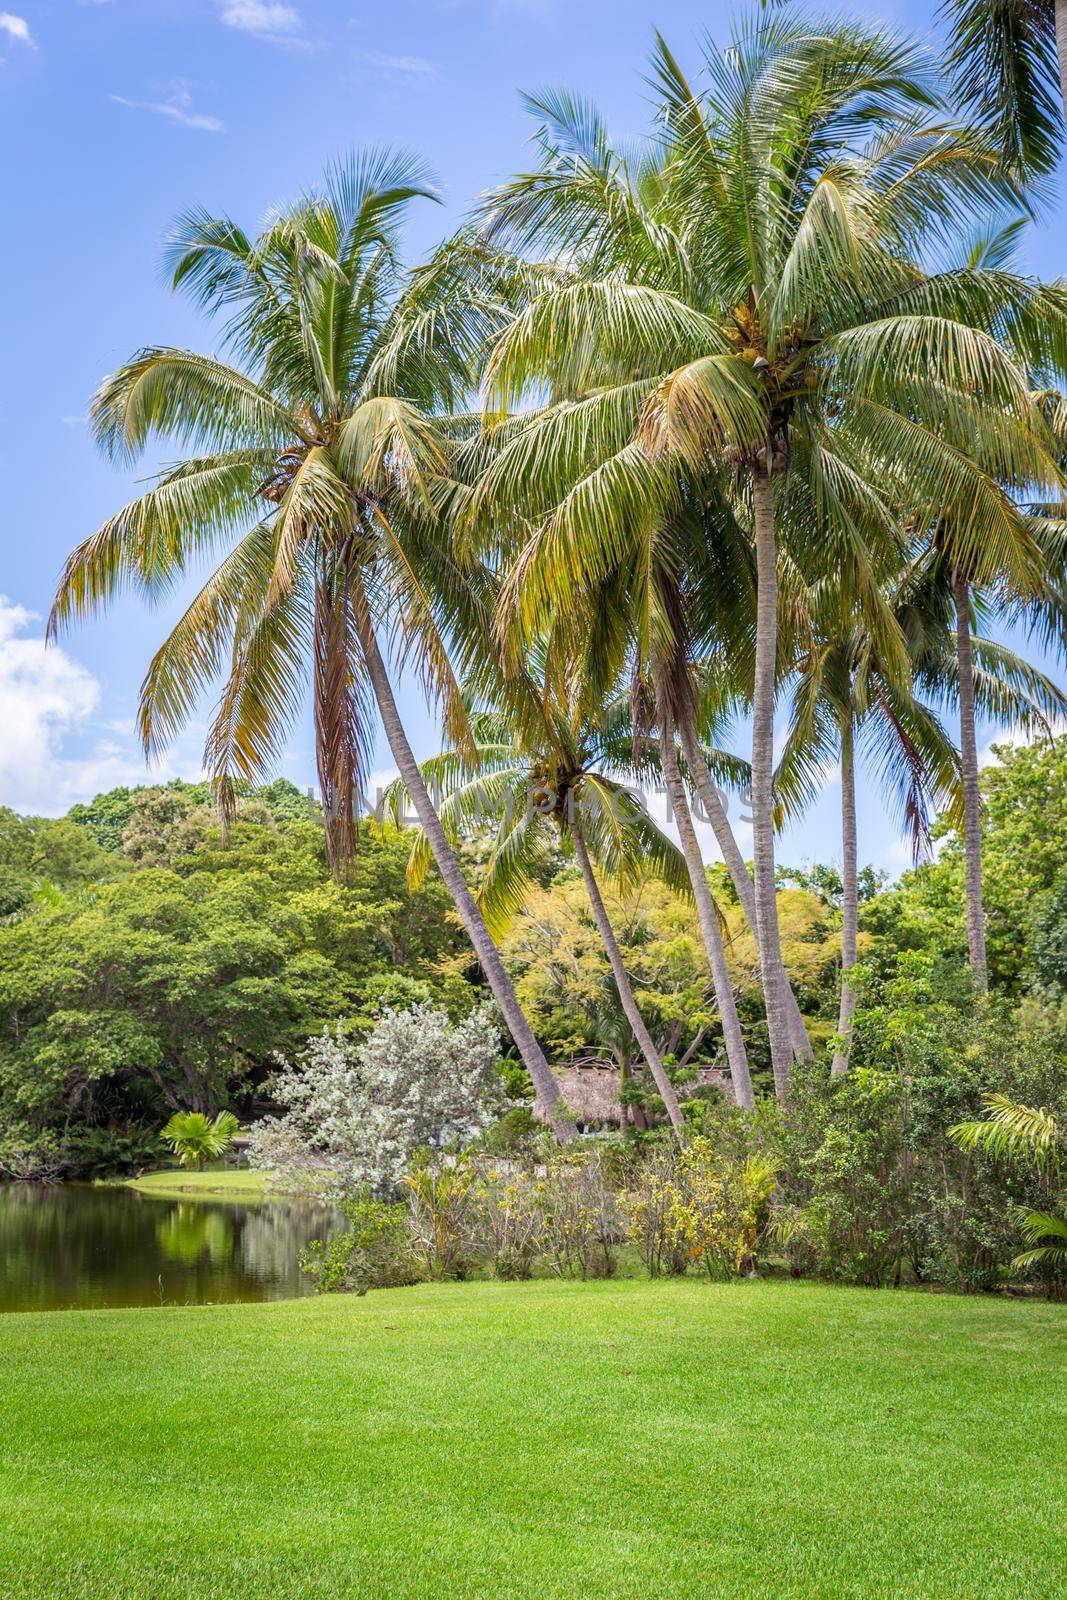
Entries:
{"x":225,"y":1184}
{"x":551,"y":1440}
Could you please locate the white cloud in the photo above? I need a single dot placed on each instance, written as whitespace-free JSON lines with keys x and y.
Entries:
{"x":48,"y":699}
{"x":399,"y":66}
{"x":1016,"y":738}
{"x":177,"y":107}
{"x":16,"y":28}
{"x":265,"y":18}
{"x":45,"y":695}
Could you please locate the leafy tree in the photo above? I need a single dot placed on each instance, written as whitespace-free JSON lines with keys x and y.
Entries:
{"x":357,"y":1113}
{"x":172,"y":989}
{"x":1024,"y":842}
{"x":564,"y":976}
{"x":37,"y":853}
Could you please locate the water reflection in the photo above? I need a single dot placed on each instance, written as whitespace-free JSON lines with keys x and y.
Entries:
{"x":72,"y":1245}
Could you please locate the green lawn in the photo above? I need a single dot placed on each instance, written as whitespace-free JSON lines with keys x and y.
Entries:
{"x":606,"y":1440}
{"x":185,"y":1181}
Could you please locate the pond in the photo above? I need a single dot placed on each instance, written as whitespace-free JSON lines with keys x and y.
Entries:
{"x":72,"y":1245}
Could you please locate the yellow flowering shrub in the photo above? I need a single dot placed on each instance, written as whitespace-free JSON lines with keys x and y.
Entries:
{"x":694,"y":1209}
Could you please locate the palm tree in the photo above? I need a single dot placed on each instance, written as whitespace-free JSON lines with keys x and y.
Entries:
{"x":317,"y":450}
{"x":196,"y":1138}
{"x":544,"y":763}
{"x":716,"y":692}
{"x":707,"y":911}
{"x":850,"y":697}
{"x":1010,"y":61}
{"x":743,"y":300}
{"x":978,"y":676}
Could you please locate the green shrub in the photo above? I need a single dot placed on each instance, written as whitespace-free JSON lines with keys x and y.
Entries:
{"x":374,"y":1251}
{"x":440,"y":1213}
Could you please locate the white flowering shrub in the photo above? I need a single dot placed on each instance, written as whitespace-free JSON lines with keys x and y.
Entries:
{"x":358,"y":1111}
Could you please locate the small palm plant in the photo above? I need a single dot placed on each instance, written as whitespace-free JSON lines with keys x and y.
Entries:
{"x":1024,"y":1134}
{"x":195,"y":1138}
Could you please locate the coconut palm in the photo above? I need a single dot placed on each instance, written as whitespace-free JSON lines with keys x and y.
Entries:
{"x":744,"y":297}
{"x":1010,"y":61}
{"x":543,"y":765}
{"x":315,"y":453}
{"x":976,"y":676}
{"x":849,"y":699}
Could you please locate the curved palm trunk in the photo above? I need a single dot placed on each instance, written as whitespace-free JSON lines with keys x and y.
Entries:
{"x":1061,"y":47}
{"x":336,"y":717}
{"x":849,"y":897}
{"x":622,"y":978}
{"x":972,"y":799}
{"x":552,"y":1102}
{"x":708,"y":917}
{"x":767,"y":934}
{"x":734,"y":861}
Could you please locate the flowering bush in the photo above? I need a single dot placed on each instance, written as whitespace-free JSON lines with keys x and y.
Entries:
{"x":507,"y":1220}
{"x":357,"y":1112}
{"x":439,"y":1215}
{"x":653,"y":1210}
{"x":724,"y":1207}
{"x":582,"y":1225}
{"x":700,"y":1207}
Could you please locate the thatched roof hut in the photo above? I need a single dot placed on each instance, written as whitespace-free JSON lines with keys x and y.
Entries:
{"x":592,"y":1092}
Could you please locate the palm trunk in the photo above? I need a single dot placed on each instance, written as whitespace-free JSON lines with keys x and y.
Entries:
{"x":972,"y":799}
{"x":708,"y":917}
{"x":849,"y":896}
{"x":1061,"y":47}
{"x":734,"y":861}
{"x":767,"y":934}
{"x":622,"y":979}
{"x":624,"y":1109}
{"x":547,"y":1090}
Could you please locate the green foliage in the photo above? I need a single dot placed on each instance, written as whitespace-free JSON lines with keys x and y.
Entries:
{"x":439,"y":1204}
{"x":1024,"y":845}
{"x":511,"y":1132}
{"x":700,"y":1207}
{"x":1019,"y":1134}
{"x":147,"y":988}
{"x":373,"y":1252}
{"x":872,"y":1189}
{"x":195,"y":1138}
{"x":581,"y":1224}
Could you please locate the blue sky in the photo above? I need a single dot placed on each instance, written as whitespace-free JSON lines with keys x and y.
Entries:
{"x":116,"y":115}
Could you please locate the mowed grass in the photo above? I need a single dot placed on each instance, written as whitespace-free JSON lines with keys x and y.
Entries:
{"x":186,"y":1182}
{"x":625,"y":1439}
